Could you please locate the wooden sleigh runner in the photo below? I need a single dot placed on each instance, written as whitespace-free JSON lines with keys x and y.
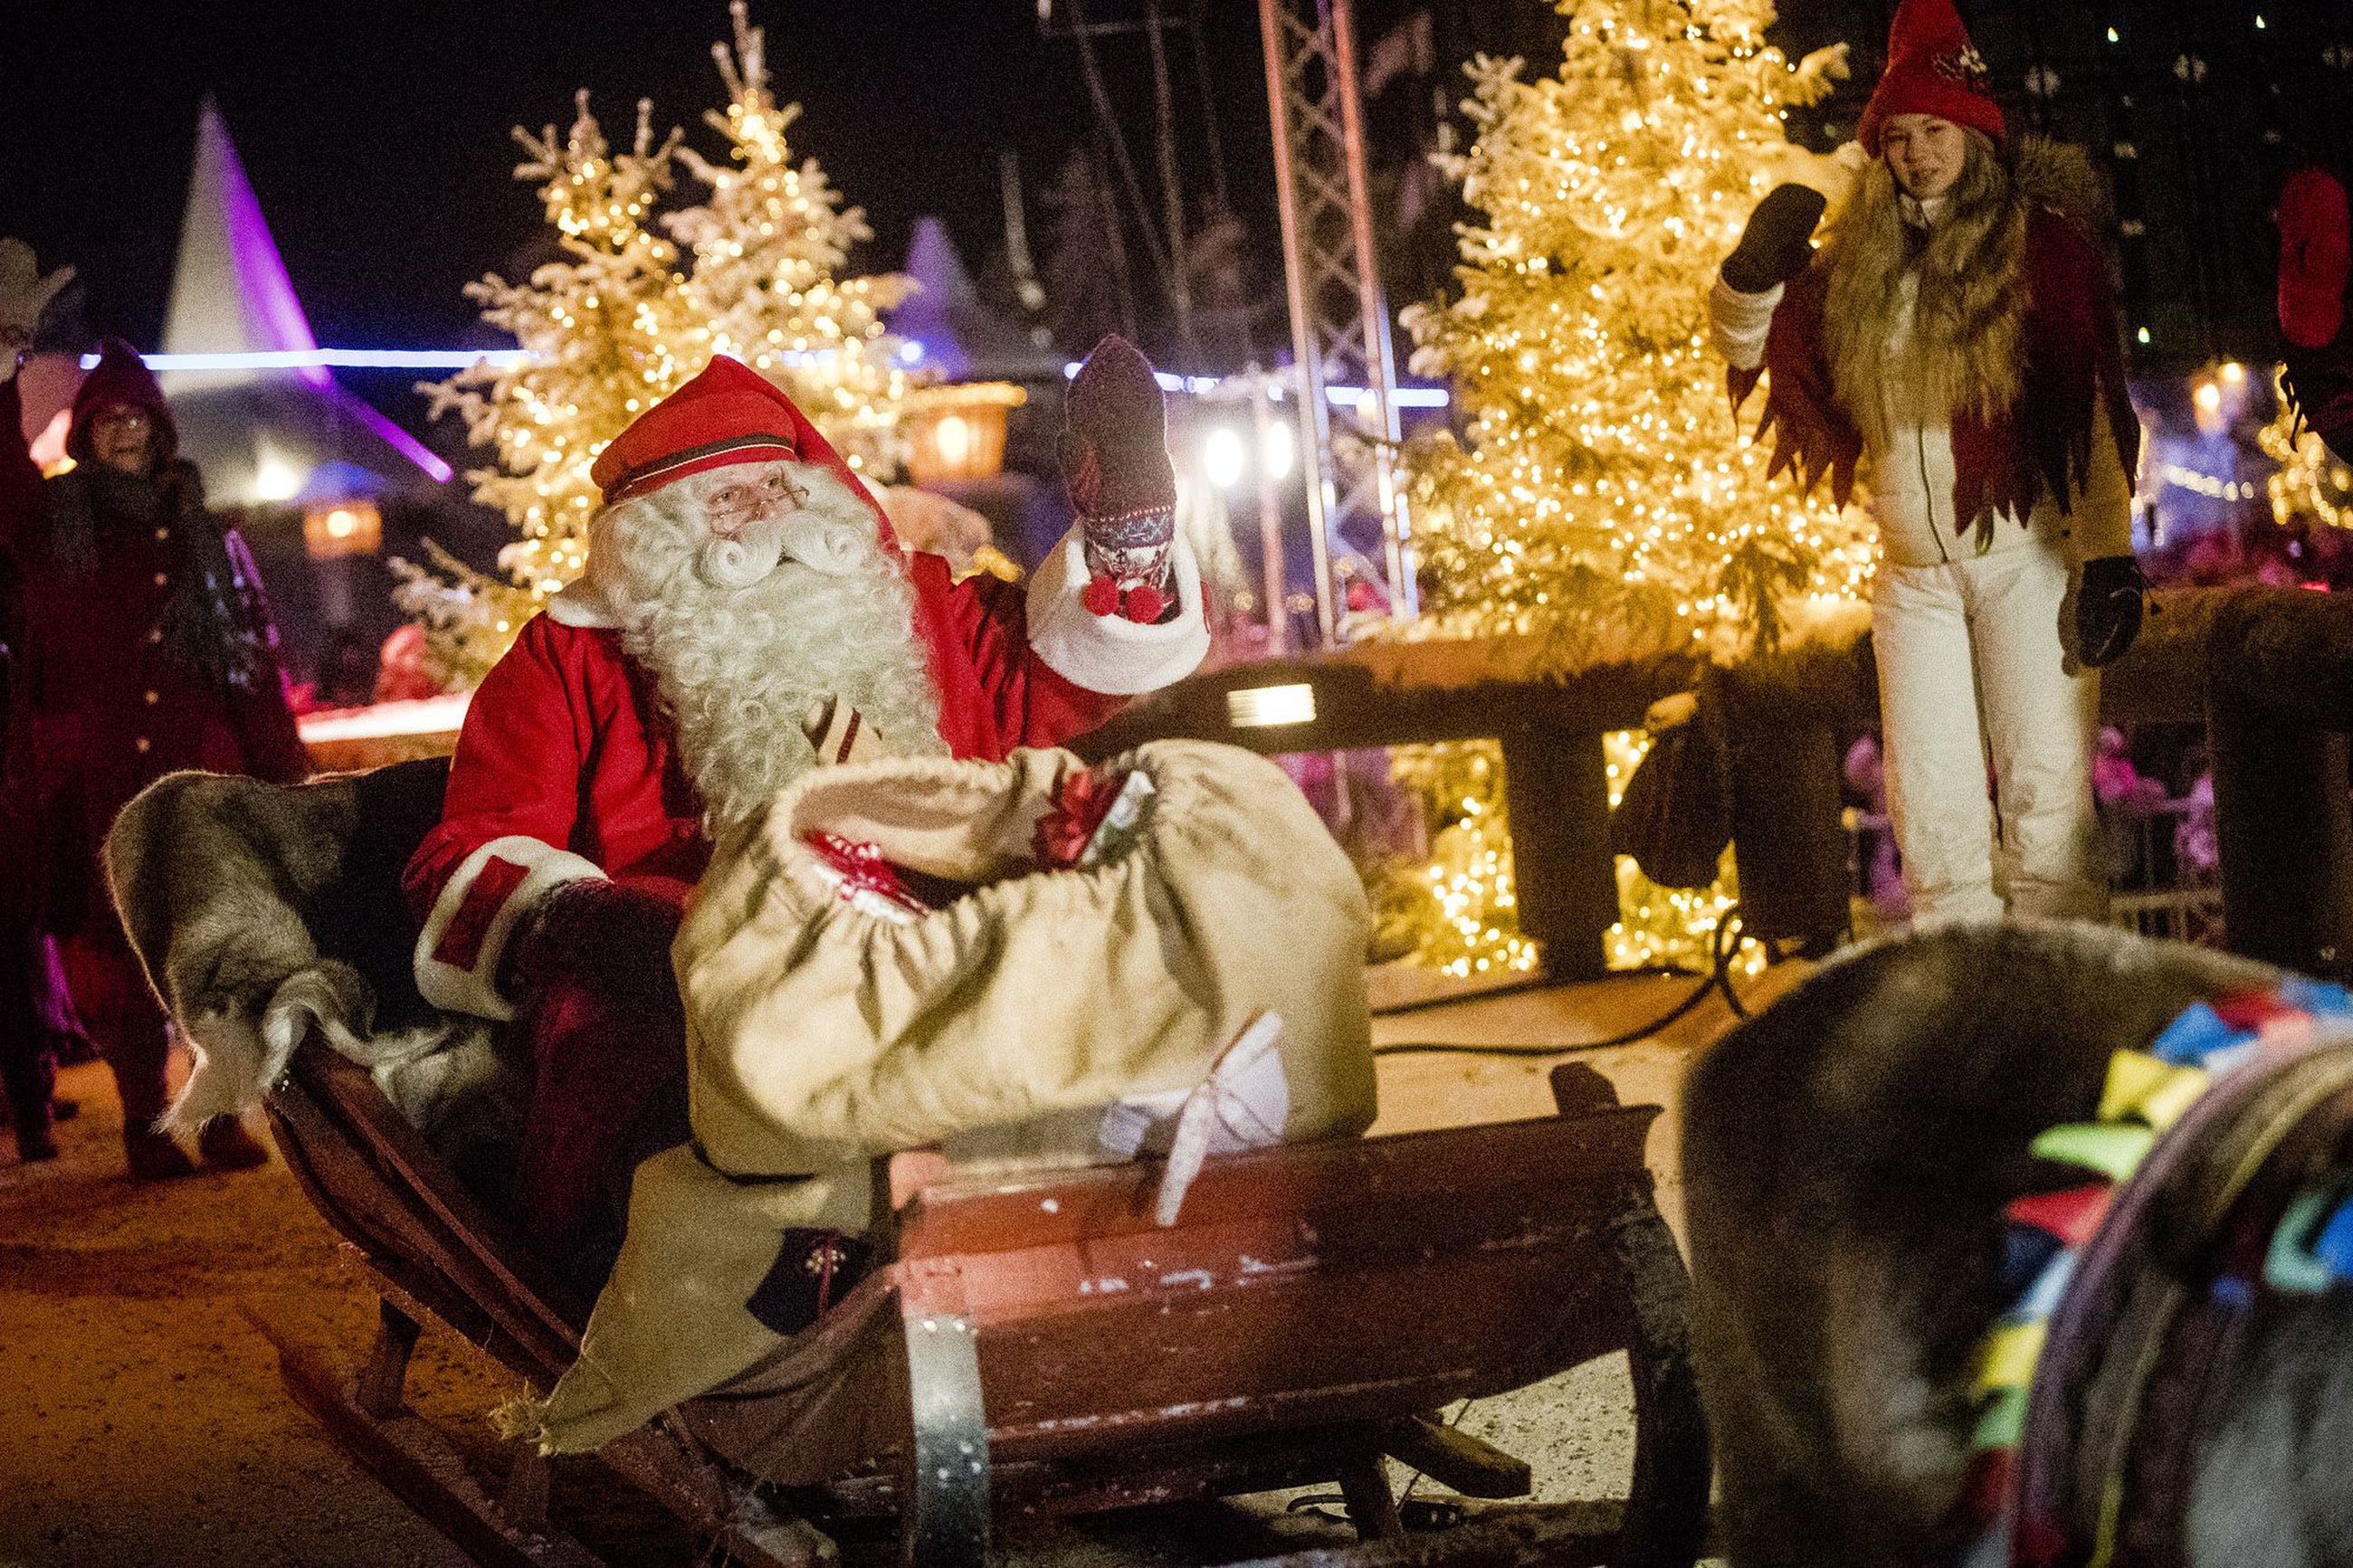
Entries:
{"x":1037,"y":1344}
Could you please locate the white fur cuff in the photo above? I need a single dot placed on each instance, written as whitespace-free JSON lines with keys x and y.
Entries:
{"x":1742,"y":321}
{"x":467,"y":904}
{"x":1106,"y":653}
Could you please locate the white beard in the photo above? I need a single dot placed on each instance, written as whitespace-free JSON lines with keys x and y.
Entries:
{"x":743,"y":636}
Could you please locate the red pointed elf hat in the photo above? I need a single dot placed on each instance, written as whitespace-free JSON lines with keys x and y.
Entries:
{"x":729,"y":414}
{"x":1932,"y":68}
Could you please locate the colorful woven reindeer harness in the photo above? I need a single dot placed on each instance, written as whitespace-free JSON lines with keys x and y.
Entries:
{"x":2217,"y":1179}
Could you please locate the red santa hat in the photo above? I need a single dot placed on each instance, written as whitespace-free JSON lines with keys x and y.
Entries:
{"x":728,"y":414}
{"x":1932,"y":68}
{"x":120,"y":379}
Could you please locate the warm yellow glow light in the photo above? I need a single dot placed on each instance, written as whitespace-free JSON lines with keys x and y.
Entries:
{"x":1264,"y":707}
{"x":953,"y":439}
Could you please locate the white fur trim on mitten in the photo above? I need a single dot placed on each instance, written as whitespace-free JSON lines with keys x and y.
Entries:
{"x":494,"y":908}
{"x":1107,"y":653}
{"x":1740,"y":322}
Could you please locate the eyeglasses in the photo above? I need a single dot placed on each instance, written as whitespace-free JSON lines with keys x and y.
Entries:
{"x":122,"y":419}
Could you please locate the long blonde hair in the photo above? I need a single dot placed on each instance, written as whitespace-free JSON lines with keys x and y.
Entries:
{"x":1962,"y":356}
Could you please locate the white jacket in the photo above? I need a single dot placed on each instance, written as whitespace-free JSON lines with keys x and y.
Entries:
{"x":1912,"y":478}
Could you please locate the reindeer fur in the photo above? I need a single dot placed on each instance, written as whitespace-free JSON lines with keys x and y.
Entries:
{"x":1846,"y":1159}
{"x":261,"y":911}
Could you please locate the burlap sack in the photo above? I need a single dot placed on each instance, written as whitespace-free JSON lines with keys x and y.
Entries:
{"x":822,"y":1034}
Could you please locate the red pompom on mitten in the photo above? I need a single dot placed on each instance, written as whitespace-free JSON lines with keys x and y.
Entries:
{"x":1144,"y":603}
{"x":1115,"y":467}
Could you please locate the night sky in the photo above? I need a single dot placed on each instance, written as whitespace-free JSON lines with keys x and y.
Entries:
{"x":376,"y":139}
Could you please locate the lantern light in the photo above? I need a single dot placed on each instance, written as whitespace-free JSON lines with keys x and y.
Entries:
{"x":336,"y":529}
{"x":953,"y":438}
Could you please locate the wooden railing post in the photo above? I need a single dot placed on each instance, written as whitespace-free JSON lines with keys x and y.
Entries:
{"x":1788,"y":836}
{"x":2279,"y":698}
{"x":1557,"y":791}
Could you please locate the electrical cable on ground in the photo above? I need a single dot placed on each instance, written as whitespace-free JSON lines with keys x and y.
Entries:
{"x":1723,"y":951}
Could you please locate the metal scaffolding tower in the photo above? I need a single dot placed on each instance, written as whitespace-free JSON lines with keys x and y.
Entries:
{"x":1339,"y":317}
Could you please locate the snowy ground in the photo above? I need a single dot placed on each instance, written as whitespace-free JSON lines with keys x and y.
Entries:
{"x":142,"y":1424}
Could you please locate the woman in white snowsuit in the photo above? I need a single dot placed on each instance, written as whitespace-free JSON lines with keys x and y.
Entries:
{"x":1959,"y":335}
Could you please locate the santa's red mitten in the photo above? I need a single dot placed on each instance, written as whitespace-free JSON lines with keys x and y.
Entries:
{"x":1116,"y":466}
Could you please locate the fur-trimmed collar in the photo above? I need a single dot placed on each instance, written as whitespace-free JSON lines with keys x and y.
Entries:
{"x":1964,"y":272}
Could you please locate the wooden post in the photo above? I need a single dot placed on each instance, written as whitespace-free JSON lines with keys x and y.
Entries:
{"x":2279,"y":695}
{"x":1789,"y":837}
{"x":2285,"y":831}
{"x":1557,"y":794}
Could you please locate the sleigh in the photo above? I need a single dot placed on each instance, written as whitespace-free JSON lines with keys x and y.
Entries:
{"x":1037,"y":1344}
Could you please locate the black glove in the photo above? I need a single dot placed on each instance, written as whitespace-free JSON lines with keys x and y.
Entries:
{"x":609,"y":940}
{"x":2107,"y":609}
{"x":1778,"y":242}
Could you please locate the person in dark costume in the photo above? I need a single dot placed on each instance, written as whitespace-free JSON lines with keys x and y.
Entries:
{"x":147,"y":647}
{"x":36,"y":1018}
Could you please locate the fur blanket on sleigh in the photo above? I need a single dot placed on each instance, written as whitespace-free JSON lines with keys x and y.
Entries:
{"x":261,"y":911}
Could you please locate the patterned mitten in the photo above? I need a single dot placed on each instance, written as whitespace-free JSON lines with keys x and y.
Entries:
{"x":1116,"y":466}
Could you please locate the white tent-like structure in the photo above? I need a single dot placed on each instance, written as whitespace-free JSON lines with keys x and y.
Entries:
{"x":259,"y":434}
{"x":962,"y":338}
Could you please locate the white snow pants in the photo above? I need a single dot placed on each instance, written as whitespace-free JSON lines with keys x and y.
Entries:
{"x":1970,"y":658}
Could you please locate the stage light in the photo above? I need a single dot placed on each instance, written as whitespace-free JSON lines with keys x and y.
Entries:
{"x":1223,"y":456}
{"x":274,"y":478}
{"x":1280,"y":452}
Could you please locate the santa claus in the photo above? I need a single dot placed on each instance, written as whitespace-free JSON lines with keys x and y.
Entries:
{"x":744,"y":614}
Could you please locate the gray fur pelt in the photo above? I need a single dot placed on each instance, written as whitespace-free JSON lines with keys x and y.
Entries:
{"x":261,"y":912}
{"x":1847,"y":1156}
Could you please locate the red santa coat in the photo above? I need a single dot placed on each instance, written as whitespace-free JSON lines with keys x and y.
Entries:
{"x":564,"y":770}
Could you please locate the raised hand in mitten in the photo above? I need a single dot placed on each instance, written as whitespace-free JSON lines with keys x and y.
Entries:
{"x":24,"y":295}
{"x":1116,"y":466}
{"x":1778,"y":242}
{"x":2107,"y":609}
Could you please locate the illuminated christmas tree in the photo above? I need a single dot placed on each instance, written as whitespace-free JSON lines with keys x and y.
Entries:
{"x":626,"y":316}
{"x":606,"y":332}
{"x":1600,"y":494}
{"x":769,"y":244}
{"x":2312,"y":484}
